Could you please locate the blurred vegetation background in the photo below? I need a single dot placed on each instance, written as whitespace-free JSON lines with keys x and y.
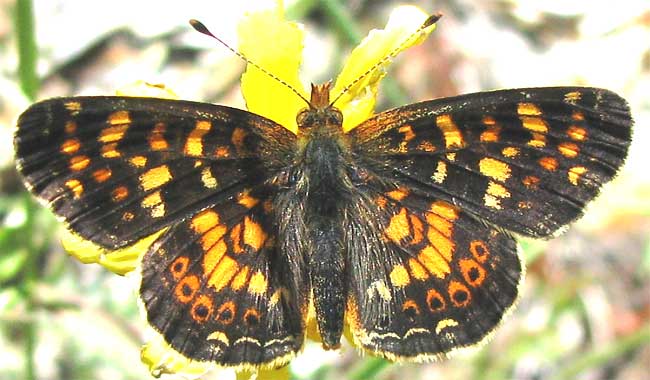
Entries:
{"x":585,"y":308}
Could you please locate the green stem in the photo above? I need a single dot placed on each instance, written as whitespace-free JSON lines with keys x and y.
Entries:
{"x":27,"y":52}
{"x":299,"y":9}
{"x":30,"y":275}
{"x":368,"y":369}
{"x":605,"y":354}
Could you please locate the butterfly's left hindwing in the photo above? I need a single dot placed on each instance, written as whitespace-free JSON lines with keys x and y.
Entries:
{"x":117,"y":169}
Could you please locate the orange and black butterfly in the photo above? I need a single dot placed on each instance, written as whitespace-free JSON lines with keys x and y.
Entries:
{"x":402,"y":227}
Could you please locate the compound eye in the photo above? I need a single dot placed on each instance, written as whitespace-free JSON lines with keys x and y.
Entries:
{"x":337,"y":116}
{"x":303,"y":117}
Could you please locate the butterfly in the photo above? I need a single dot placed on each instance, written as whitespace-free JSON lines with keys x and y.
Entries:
{"x":402,"y":228}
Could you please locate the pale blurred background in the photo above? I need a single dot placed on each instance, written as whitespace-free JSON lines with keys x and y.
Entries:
{"x":585,"y":309}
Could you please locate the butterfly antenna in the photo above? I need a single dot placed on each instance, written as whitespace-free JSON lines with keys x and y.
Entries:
{"x":427,"y":23}
{"x":199,"y":27}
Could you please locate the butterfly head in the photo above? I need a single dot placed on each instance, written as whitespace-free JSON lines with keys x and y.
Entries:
{"x":320,"y":112}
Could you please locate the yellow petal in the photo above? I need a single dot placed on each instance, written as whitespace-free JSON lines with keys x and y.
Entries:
{"x":145,"y":89}
{"x":121,"y":261}
{"x":275,"y":45}
{"x":358,"y":103}
{"x":161,"y":359}
{"x":265,"y":374}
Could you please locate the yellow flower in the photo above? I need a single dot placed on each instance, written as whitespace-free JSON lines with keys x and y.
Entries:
{"x":267,"y":97}
{"x":275,"y":45}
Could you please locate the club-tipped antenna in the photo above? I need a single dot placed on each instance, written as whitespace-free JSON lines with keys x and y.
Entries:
{"x":199,"y":27}
{"x":427,"y":23}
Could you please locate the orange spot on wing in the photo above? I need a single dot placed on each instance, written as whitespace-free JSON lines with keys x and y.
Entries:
{"x":254,"y":235}
{"x":575,"y":173}
{"x":223,"y":272}
{"x":120,"y":193}
{"x":548,"y":163}
{"x":435,"y":301}
{"x":154,"y":202}
{"x":491,"y":133}
{"x":568,"y":149}
{"x":73,"y":107}
{"x":510,"y":152}
{"x":240,"y":279}
{"x":530,"y":114}
{"x":226,"y":312}
{"x":442,"y":244}
{"x":434,"y":262}
{"x":473,"y":273}
{"x":201,"y":308}
{"x":222,"y":152}
{"x":246,"y":200}
{"x":441,"y":224}
{"x":70,"y":146}
{"x":119,"y":118}
{"x":538,"y":140}
{"x":155,"y":177}
{"x":70,"y":127}
{"x":479,"y":250}
{"x":459,"y":294}
{"x":530,"y":181}
{"x":213,"y":255}
{"x":398,"y":227}
{"x":411,"y":306}
{"x":156,"y":138}
{"x":426,"y":146}
{"x":179,"y":267}
{"x":417,"y":270}
{"x":204,"y":221}
{"x":528,"y":109}
{"x":399,"y":276}
{"x":577,"y":133}
{"x":494,"y":169}
{"x":451,"y":133}
{"x":398,"y":194}
{"x":138,"y":161}
{"x":257,"y":284}
{"x":489,"y":120}
{"x":252,"y":317}
{"x":237,"y":139}
{"x":76,"y":187}
{"x":194,"y":143}
{"x":418,"y":229}
{"x":78,"y":163}
{"x":101,"y":175}
{"x":110,"y":151}
{"x":186,"y":288}
{"x":577,"y":116}
{"x":119,"y":125}
{"x":235,"y":237}
{"x":445,"y":210}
